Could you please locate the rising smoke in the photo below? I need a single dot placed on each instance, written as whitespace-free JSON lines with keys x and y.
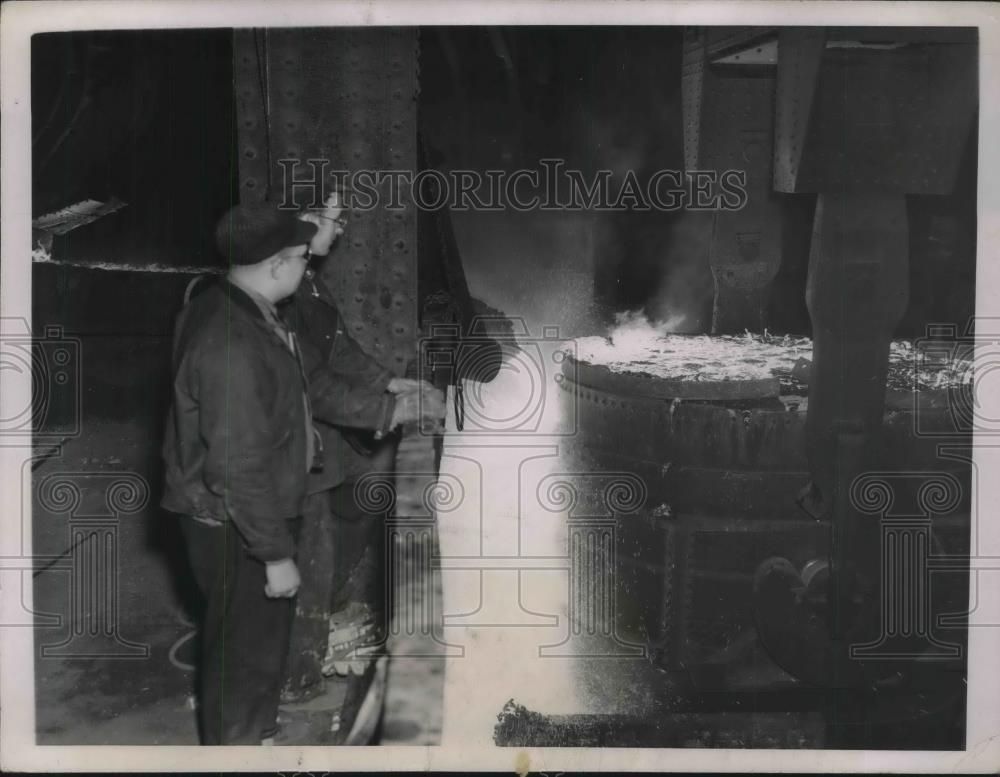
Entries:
{"x":599,"y":107}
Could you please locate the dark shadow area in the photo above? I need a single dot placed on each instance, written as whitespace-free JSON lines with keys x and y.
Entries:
{"x":145,"y":116}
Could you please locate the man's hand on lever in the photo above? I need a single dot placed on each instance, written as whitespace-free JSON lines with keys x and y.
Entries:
{"x":417,"y":401}
{"x":407,"y":385}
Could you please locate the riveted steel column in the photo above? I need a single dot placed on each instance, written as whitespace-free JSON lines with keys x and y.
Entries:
{"x":857,"y":292}
{"x":692,"y":87}
{"x":250,"y":84}
{"x":800,"y":51}
{"x":339,"y":101}
{"x":875,"y":132}
{"x":728,"y":126}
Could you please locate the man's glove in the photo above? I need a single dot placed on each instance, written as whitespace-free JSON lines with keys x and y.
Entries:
{"x":417,"y":401}
{"x":407,"y":386}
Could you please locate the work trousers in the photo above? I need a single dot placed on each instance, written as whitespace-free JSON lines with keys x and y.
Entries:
{"x":244,"y":637}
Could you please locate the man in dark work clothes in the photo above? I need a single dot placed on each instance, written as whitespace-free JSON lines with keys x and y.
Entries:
{"x":357,"y":404}
{"x":238,"y":447}
{"x":334,"y":534}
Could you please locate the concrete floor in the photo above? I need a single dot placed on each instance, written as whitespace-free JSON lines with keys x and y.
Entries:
{"x":149,"y":701}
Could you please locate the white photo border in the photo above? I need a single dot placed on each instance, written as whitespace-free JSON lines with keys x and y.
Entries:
{"x":17,"y":725}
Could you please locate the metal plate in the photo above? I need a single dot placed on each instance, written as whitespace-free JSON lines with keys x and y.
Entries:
{"x":890,"y":120}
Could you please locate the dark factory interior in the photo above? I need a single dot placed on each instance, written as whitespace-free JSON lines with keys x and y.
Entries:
{"x":866,"y":144}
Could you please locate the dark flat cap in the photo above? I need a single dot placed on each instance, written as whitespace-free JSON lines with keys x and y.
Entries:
{"x":249,"y":234}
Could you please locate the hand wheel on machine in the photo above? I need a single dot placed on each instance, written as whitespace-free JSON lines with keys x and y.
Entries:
{"x":792,"y":611}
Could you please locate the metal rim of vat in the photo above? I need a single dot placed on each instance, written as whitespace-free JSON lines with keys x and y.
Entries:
{"x":642,"y":386}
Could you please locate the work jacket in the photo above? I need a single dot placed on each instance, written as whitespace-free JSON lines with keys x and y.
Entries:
{"x":235,"y":446}
{"x":347,"y":387}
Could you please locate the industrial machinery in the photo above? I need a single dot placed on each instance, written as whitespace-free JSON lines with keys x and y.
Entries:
{"x":808,"y":537}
